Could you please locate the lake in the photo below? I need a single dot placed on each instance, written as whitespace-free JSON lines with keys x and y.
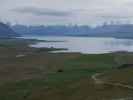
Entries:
{"x":85,"y":45}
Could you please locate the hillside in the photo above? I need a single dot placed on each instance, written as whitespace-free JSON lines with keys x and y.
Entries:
{"x":6,"y":31}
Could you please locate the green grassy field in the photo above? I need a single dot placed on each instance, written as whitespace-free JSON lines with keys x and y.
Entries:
{"x":39,"y":75}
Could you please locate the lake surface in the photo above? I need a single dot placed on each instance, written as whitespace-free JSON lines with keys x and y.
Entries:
{"x":86,"y":45}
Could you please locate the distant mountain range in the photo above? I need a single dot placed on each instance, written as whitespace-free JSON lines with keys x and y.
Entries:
{"x":118,"y":31}
{"x":6,"y":31}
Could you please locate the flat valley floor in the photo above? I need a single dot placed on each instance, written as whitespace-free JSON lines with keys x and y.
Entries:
{"x":36,"y":74}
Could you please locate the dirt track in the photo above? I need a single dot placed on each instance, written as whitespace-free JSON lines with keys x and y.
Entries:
{"x":100,"y":81}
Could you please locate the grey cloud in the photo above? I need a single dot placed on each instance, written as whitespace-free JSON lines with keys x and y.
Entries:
{"x":42,"y":11}
{"x":65,"y":11}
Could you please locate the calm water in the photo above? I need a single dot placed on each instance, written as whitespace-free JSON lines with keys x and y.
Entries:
{"x":87,"y":45}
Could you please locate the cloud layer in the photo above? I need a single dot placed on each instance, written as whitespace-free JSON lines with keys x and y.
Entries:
{"x":42,"y":11}
{"x":88,"y":12}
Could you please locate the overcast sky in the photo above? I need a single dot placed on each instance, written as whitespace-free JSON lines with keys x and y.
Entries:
{"x":90,"y":12}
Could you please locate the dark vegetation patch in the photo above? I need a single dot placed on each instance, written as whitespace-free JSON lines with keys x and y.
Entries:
{"x":125,"y":66}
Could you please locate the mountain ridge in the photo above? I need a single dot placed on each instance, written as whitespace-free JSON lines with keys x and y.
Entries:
{"x":117,"y":31}
{"x":6,"y":31}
